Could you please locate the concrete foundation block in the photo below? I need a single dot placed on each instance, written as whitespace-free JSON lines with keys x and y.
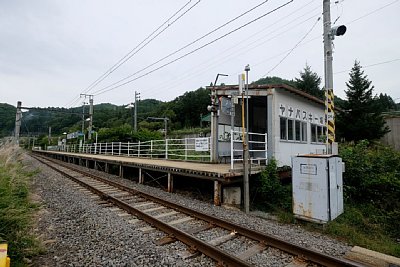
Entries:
{"x":232,"y":195}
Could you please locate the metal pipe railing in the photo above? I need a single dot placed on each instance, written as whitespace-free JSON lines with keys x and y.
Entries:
{"x":180,"y":149}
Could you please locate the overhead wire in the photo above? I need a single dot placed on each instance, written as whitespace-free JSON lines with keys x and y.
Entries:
{"x":373,"y":11}
{"x":241,"y":50}
{"x":107,"y":89}
{"x":294,"y":47}
{"x":348,"y":23}
{"x":317,"y":37}
{"x":131,"y":53}
{"x":371,"y":65}
{"x":116,"y":66}
{"x":357,"y":19}
{"x":189,"y":44}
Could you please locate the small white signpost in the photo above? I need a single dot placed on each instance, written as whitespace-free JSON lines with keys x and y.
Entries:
{"x":201,"y":144}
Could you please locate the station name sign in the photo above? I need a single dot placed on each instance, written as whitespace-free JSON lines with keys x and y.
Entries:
{"x":300,"y":114}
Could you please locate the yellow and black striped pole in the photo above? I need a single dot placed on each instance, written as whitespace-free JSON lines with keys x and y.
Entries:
{"x":330,"y":116}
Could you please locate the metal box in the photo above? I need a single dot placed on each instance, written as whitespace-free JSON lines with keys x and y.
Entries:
{"x":317,"y":187}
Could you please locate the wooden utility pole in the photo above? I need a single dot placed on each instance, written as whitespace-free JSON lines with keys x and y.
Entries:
{"x":18,"y":118}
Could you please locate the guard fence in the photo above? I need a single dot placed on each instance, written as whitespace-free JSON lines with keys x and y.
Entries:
{"x":186,"y":149}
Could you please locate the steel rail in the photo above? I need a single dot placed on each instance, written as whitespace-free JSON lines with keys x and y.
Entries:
{"x":269,"y":240}
{"x":194,"y":243}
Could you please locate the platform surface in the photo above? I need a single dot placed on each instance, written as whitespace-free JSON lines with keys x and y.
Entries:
{"x":222,"y":171}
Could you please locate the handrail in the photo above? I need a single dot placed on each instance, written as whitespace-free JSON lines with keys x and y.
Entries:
{"x":176,"y":149}
{"x":257,"y":148}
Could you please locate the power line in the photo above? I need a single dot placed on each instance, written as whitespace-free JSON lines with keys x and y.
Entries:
{"x":240,"y":51}
{"x":311,"y":40}
{"x":294,"y":47}
{"x":272,"y":57}
{"x":104,"y":90}
{"x":372,"y":12}
{"x":187,"y":45}
{"x":371,"y":65}
{"x":129,"y":55}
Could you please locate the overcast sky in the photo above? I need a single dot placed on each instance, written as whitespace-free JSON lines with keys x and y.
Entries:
{"x":52,"y":50}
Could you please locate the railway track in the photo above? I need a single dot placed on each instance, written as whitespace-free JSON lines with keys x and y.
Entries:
{"x":187,"y":225}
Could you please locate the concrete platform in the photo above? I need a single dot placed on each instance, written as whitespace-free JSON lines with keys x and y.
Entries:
{"x":199,"y":170}
{"x":221,"y":174}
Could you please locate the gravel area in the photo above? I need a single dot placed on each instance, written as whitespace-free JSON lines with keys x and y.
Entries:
{"x":293,"y":233}
{"x":78,"y":232}
{"x":86,"y":234}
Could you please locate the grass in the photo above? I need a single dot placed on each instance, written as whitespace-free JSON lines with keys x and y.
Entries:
{"x":16,"y":211}
{"x":353,"y":227}
{"x":371,"y":222}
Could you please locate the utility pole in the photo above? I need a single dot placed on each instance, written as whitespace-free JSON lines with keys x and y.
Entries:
{"x":49,"y":139}
{"x":90,"y":116}
{"x":246,"y":165}
{"x":83,"y":120}
{"x":329,"y":36}
{"x":137,"y":98}
{"x":18,"y":118}
{"x":214,"y":120}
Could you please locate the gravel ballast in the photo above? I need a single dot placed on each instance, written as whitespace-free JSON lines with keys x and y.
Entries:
{"x":79,"y":232}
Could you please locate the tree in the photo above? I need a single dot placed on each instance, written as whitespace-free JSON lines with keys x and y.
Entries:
{"x":189,"y":106}
{"x":309,"y":82}
{"x":386,"y":103}
{"x":361,"y":118}
{"x":273,"y":80}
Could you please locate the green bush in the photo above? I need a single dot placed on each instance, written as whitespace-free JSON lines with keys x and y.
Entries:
{"x":372,"y":182}
{"x":125,"y":133}
{"x":271,"y":193}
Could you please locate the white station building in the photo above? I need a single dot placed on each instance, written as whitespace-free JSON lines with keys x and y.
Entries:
{"x":283,"y":122}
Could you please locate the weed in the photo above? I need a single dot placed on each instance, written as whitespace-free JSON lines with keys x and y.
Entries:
{"x":15,"y":209}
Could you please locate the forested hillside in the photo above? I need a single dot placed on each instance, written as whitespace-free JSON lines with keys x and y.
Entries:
{"x":182,"y":112}
{"x":7,"y":119}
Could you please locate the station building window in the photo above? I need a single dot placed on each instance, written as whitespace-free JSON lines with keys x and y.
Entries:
{"x":293,"y":130}
{"x":290,"y":129}
{"x":318,"y":133}
{"x":283,"y":128}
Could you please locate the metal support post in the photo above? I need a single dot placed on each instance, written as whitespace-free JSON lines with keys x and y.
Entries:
{"x":214,"y":128}
{"x":166,"y":148}
{"x":246,"y":191}
{"x":18,"y":118}
{"x":170,"y":183}
{"x":141,"y":176}
{"x":217,"y":193}
{"x":121,"y":171}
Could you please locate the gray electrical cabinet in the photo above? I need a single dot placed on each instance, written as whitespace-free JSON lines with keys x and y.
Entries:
{"x":317,"y":187}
